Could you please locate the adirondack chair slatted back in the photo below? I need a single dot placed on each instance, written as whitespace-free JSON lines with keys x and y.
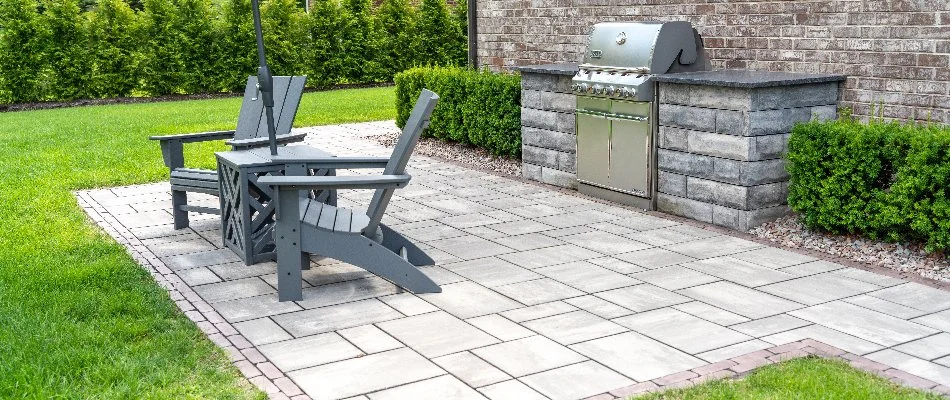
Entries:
{"x":252,"y":123}
{"x":418,"y":121}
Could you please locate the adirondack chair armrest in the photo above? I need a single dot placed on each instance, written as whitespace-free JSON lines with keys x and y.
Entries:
{"x":255,"y":142}
{"x":335,"y":182}
{"x":195,"y":137}
{"x":336,"y":162}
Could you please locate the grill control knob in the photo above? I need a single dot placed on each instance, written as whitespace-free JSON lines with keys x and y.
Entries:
{"x":610,"y":90}
{"x":581,"y":87}
{"x":626,"y":92}
{"x":598,"y":89}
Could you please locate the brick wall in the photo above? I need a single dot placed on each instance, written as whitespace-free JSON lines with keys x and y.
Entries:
{"x":896,"y":53}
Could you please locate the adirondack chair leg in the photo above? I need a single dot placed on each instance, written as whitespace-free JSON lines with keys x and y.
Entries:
{"x":179,"y":201}
{"x":371,"y":256}
{"x":290,"y":258}
{"x":396,"y":243}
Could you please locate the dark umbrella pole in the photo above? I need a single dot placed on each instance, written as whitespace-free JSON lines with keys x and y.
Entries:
{"x":265,"y":82}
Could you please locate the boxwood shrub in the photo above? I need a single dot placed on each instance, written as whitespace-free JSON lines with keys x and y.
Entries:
{"x":480,"y":108}
{"x":886,"y":180}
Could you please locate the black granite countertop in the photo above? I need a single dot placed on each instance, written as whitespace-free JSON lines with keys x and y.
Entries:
{"x":747,"y":79}
{"x":553,"y":69}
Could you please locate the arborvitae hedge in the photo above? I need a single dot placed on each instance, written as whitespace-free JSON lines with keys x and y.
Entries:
{"x":885,"y":180}
{"x":70,"y":49}
{"x":475,"y":107}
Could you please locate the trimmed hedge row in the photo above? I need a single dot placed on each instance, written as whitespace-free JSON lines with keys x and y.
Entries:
{"x":888,"y":181}
{"x":480,"y":108}
{"x":52,"y":50}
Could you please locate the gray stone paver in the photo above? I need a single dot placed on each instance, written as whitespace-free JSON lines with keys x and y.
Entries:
{"x":546,"y":294}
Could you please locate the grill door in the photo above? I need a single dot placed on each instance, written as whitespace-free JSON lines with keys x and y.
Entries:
{"x":593,"y":148}
{"x":629,"y":156}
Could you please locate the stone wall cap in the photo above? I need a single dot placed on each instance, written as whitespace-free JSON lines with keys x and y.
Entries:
{"x":747,"y":79}
{"x":553,"y":69}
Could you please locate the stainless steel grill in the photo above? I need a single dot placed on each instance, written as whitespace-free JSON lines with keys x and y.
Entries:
{"x":616,"y":107}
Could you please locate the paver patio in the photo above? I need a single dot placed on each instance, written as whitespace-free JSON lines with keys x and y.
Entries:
{"x":546,"y":294}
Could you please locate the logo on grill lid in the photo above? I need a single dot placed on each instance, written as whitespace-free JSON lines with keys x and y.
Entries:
{"x":622,"y":38}
{"x":596,"y":53}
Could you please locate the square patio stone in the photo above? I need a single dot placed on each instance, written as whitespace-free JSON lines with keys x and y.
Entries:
{"x":576,"y":218}
{"x":470,"y":369}
{"x":681,"y":330}
{"x":198,"y":276}
{"x":940,"y":320}
{"x":231,"y":290}
{"x":712,"y":314}
{"x":825,"y":335}
{"x":500,"y":327}
{"x":175,"y":245}
{"x":550,"y":256}
{"x":469,"y":247}
{"x":491,"y":271}
{"x":654,"y":258}
{"x":816,"y":289}
{"x":253,"y":307}
{"x":530,"y":241}
{"x":485,"y":232}
{"x":538,"y":291}
{"x":345,"y":292}
{"x":237,"y":270}
{"x":536,"y":210}
{"x":886,"y":307}
{"x":741,"y":300}
{"x":502,"y":215}
{"x":586,"y":276}
{"x":369,"y":339}
{"x":429,"y":233}
{"x":869,"y":277}
{"x":863,"y":323}
{"x":925,"y":369}
{"x":439,"y":275}
{"x":443,"y":387}
{"x":309,"y":351}
{"x":576,"y":381}
{"x":505,"y":202}
{"x":637,"y":356}
{"x":598,"y":306}
{"x":529,"y":355}
{"x":436,"y":334}
{"x":511,"y":390}
{"x":572,"y":230}
{"x":468,"y":299}
{"x":772,"y":257}
{"x":662,"y":236}
{"x":617,"y":265}
{"x":364,"y":374}
{"x":458,"y":206}
{"x":735,"y":350}
{"x":538,"y":311}
{"x":574,"y":327}
{"x":812,"y":268}
{"x":468,"y":220}
{"x":713,"y":247}
{"x":408,"y":304}
{"x":928,"y":348}
{"x":200,"y":259}
{"x":675,"y":277}
{"x":143,"y":219}
{"x":642,"y":297}
{"x":340,"y":316}
{"x":917,"y":296}
{"x":520,"y":227}
{"x":605,"y":243}
{"x":770,"y":325}
{"x":614,"y":229}
{"x":262,"y":331}
{"x":642,"y":222}
{"x":739,"y":271}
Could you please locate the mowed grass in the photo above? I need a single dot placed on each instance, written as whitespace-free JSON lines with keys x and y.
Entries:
{"x":799,"y":379}
{"x":78,"y":317}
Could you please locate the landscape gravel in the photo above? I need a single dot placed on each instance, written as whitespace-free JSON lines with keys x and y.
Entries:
{"x":470,"y":156}
{"x":910,"y":258}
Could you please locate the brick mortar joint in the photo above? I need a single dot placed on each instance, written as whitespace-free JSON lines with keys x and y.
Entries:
{"x":151,"y":263}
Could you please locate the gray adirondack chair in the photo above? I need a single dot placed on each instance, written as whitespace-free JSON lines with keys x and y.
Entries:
{"x":306,"y":226}
{"x":251,"y":132}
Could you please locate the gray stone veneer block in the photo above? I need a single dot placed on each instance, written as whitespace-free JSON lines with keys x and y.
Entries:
{"x":546,"y":82}
{"x":741,"y":148}
{"x":741,"y":123}
{"x":550,"y":101}
{"x":746,"y":173}
{"x":554,"y":140}
{"x":549,"y":120}
{"x":746,"y":99}
{"x":716,"y":214}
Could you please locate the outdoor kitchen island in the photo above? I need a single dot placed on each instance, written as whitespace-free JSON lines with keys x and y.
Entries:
{"x":720,"y":143}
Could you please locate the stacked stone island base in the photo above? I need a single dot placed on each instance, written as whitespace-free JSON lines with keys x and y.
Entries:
{"x":723,"y":136}
{"x":548,"y":141}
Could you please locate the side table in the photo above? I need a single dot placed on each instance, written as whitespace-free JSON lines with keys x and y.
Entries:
{"x":247,"y":212}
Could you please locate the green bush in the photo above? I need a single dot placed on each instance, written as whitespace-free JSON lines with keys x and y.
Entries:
{"x":436,"y":34}
{"x":476,"y":107}
{"x":397,"y":22}
{"x":885,"y":180}
{"x":195,"y":20}
{"x":69,"y":64}
{"x":285,"y":36}
{"x":162,"y":64}
{"x":114,"y":32}
{"x":235,"y":47}
{"x":23,"y":41}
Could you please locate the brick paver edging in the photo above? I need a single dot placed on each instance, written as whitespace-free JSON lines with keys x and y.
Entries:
{"x":743,"y":365}
{"x":252,"y":364}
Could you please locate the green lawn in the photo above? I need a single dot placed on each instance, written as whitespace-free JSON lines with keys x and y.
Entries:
{"x":78,"y":318}
{"x":804,"y":379}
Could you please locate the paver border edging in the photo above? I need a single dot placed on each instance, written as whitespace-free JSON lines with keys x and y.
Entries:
{"x":738,"y":367}
{"x":254,"y":366}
